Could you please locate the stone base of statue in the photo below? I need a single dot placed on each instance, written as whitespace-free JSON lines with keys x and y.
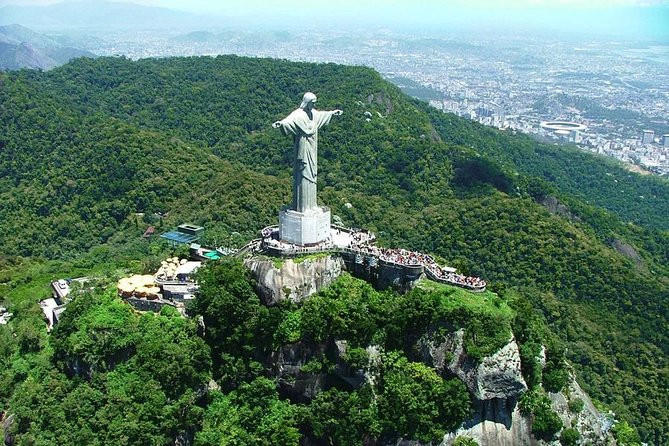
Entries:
{"x":305,"y":229}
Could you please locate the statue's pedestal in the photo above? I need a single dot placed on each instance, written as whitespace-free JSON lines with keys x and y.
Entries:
{"x":304,"y":229}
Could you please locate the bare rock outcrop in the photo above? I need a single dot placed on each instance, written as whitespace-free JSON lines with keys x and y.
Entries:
{"x":496,"y":422}
{"x":497,"y":376}
{"x":627,"y":250}
{"x":591,"y":423}
{"x":304,"y":370}
{"x":7,"y":423}
{"x":293,"y":280}
{"x":555,"y":207}
{"x":496,"y":383}
{"x":289,"y":364}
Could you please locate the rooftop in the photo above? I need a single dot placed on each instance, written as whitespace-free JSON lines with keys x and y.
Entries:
{"x":179,"y":237}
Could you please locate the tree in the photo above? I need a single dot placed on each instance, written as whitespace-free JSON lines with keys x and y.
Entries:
{"x":414,"y":402}
{"x":625,"y":434}
{"x":238,"y":328}
{"x":536,"y":405}
{"x":569,"y":437}
{"x":251,"y":415}
{"x":343,"y":418}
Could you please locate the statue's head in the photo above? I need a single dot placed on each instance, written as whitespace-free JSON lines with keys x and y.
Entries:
{"x":308,"y":98}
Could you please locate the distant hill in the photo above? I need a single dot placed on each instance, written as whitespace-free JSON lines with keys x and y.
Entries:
{"x":98,"y":15}
{"x":21,"y":47}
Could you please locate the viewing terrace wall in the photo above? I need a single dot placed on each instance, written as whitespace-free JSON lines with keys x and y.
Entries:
{"x":385,"y":267}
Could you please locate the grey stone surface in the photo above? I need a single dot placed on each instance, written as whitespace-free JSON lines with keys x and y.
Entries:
{"x":497,"y":376}
{"x":353,"y":377}
{"x":7,"y":424}
{"x":627,"y":250}
{"x":555,"y":207}
{"x":591,"y":423}
{"x":293,"y":382}
{"x":294,"y":281}
{"x":496,"y":422}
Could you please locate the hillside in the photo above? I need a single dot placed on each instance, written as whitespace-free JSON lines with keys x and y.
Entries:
{"x":88,"y":145}
{"x":21,"y":47}
{"x":105,"y":15}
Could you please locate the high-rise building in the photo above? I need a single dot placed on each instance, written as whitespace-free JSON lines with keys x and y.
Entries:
{"x":665,"y":140}
{"x":648,"y":137}
{"x":484,"y":112}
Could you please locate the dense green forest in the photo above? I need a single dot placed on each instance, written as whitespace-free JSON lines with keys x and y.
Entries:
{"x":95,"y":151}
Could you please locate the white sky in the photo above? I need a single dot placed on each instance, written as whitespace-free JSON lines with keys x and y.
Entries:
{"x":597,"y":16}
{"x":209,"y":5}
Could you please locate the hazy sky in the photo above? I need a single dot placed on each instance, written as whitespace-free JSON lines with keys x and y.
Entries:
{"x":209,"y":5}
{"x":613,"y":17}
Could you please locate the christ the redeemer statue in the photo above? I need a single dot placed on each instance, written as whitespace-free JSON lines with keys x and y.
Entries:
{"x":303,"y":125}
{"x":305,"y":223}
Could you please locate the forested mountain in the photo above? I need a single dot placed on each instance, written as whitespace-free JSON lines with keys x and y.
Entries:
{"x":95,"y":150}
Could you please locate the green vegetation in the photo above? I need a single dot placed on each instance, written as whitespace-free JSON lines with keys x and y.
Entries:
{"x":626,"y":435}
{"x":95,"y":151}
{"x":110,"y":376}
{"x":251,"y":415}
{"x":569,"y":437}
{"x":545,"y":422}
{"x":576,"y":405}
{"x":343,"y":418}
{"x":565,"y":170}
{"x":242,"y":334}
{"x":301,"y":259}
{"x":350,"y":309}
{"x":464,"y":441}
{"x":239,"y":329}
{"x":437,"y":405}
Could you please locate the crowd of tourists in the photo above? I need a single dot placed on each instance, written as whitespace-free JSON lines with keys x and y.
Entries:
{"x":405,"y":257}
{"x":361,"y":237}
{"x":362,"y":242}
{"x":457,"y":279}
{"x":399,"y":256}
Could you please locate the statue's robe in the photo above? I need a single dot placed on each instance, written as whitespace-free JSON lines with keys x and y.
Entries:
{"x":305,"y":169}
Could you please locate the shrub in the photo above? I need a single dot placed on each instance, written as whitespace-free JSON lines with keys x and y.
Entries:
{"x":465,"y":441}
{"x":626,"y":435}
{"x":576,"y":405}
{"x":545,"y":422}
{"x":569,"y":437}
{"x":356,"y":357}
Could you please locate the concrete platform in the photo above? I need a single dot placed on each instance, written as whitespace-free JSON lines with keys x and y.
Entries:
{"x":304,"y":229}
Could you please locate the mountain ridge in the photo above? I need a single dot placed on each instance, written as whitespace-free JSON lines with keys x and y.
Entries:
{"x":191,"y":137}
{"x":99,"y":15}
{"x":21,"y":47}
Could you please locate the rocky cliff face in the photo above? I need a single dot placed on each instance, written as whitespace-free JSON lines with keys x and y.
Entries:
{"x":592,"y":424}
{"x":301,"y":381}
{"x":293,"y":280}
{"x":295,"y":381}
{"x":497,"y":376}
{"x":495,"y":383}
{"x":499,"y":421}
{"x":496,"y":422}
